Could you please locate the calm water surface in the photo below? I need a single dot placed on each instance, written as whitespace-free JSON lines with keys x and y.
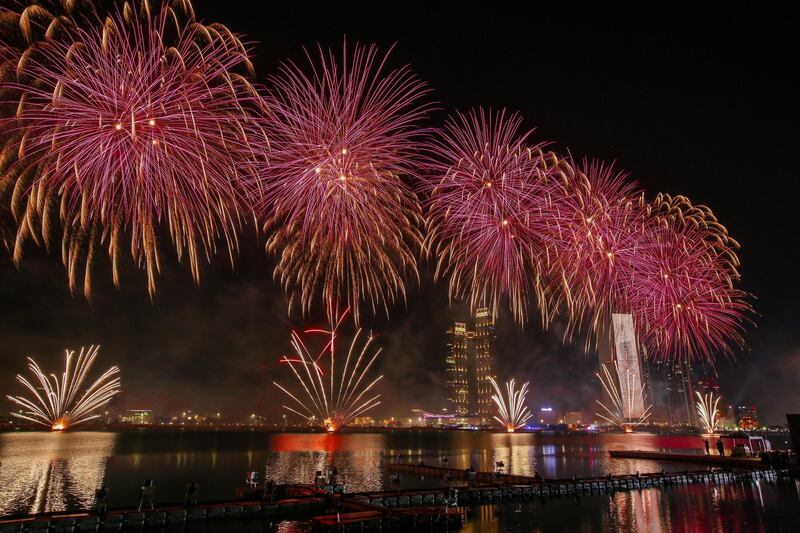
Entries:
{"x":55,"y":472}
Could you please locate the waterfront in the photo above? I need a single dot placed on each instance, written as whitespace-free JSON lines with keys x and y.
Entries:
{"x":43,"y":472}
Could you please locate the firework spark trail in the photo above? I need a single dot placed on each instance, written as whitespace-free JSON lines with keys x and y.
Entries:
{"x":487,"y":188}
{"x":59,"y":403}
{"x":138,"y":125}
{"x":682,"y":292}
{"x":619,"y":411}
{"x":682,"y":296}
{"x":333,"y":400}
{"x":338,"y":214}
{"x":511,"y":408}
{"x":593,"y":227}
{"x":707,"y":409}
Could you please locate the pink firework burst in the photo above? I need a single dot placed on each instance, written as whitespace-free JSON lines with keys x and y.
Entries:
{"x":682,"y":291}
{"x":339,"y":215}
{"x":488,"y":188}
{"x":137,"y":125}
{"x":593,"y":229}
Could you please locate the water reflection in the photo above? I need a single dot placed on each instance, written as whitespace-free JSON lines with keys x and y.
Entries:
{"x":359,"y":458}
{"x":43,"y":472}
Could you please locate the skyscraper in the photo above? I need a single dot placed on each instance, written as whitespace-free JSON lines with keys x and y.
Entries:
{"x":470,"y":365}
{"x":457,"y":371}
{"x":484,"y":345}
{"x":617,"y":348}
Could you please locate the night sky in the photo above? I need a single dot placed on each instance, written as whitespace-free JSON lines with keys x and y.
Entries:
{"x":690,"y":103}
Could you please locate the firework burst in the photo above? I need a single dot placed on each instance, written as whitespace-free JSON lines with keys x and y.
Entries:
{"x":487,"y":189}
{"x":340,"y":217}
{"x":682,"y":296}
{"x":708,"y":412}
{"x":622,"y":397}
{"x":59,"y":404}
{"x":138,"y":125}
{"x":512,"y":413}
{"x":332,"y":394}
{"x":593,"y":229}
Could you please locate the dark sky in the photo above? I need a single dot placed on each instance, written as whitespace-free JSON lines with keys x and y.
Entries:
{"x":696,"y":103}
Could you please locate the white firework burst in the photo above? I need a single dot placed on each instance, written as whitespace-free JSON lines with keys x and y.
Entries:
{"x":707,"y":409}
{"x":512,"y":412}
{"x":623,"y":395}
{"x":60,"y":403}
{"x":332,"y":401}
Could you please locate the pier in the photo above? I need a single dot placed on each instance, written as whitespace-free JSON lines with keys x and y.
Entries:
{"x":398,"y":510}
{"x":494,"y":485}
{"x":715,"y":460}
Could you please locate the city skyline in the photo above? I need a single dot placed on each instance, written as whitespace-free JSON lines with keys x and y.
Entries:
{"x":40,"y":318}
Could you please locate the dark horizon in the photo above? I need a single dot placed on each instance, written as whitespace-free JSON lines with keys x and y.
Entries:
{"x":699,"y":104}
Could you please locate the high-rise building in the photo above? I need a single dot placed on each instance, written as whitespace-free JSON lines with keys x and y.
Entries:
{"x":470,"y":365}
{"x":483,"y":341}
{"x":617,"y":349}
{"x":457,"y":370}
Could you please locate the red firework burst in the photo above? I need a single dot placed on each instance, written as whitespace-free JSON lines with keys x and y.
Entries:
{"x":682,"y":297}
{"x":488,"y":188}
{"x":340,"y":217}
{"x":682,"y":290}
{"x":593,"y":229}
{"x":138,"y":124}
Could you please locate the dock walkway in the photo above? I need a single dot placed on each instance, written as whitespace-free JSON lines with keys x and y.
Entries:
{"x":714,"y":460}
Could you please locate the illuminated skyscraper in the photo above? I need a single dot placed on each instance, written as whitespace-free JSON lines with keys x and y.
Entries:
{"x":483,"y":341}
{"x":457,"y":374}
{"x":618,"y":347}
{"x":470,"y":365}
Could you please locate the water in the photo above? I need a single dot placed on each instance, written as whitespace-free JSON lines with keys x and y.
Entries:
{"x":60,"y":471}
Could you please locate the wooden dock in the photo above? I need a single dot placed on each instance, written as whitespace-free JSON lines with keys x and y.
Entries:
{"x":400,"y":510}
{"x":713,"y":460}
{"x":491,"y":486}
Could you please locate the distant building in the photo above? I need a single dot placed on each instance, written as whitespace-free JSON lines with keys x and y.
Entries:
{"x":364,"y":421}
{"x":708,"y":384}
{"x":747,"y":417}
{"x":547,"y":415}
{"x":573,"y":418}
{"x":137,"y":416}
{"x":469,"y":363}
{"x":671,"y":383}
{"x":444,"y":418}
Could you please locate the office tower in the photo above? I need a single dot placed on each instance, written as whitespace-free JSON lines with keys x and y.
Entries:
{"x":680,"y":403}
{"x":483,"y":341}
{"x":457,"y":371}
{"x":617,"y":349}
{"x":470,"y":365}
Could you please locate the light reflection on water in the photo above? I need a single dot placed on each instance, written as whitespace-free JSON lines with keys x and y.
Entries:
{"x":52,"y":472}
{"x":43,"y":472}
{"x":359,"y":457}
